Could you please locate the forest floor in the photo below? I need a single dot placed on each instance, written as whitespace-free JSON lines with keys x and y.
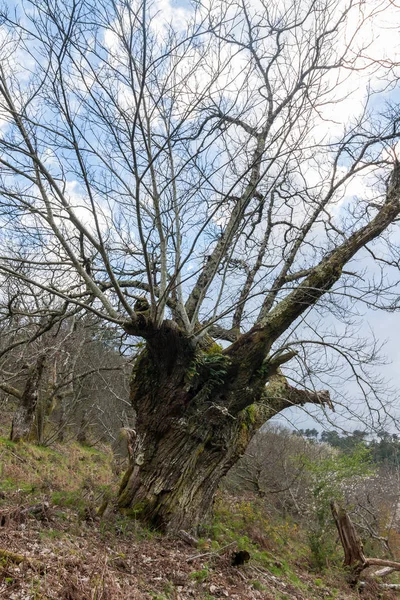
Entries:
{"x":61,"y":550}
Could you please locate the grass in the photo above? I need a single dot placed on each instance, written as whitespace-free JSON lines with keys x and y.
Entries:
{"x":257,"y":585}
{"x":52,"y":534}
{"x":68,"y":474}
{"x":248,"y":525}
{"x":277,"y":546}
{"x":200,"y":576}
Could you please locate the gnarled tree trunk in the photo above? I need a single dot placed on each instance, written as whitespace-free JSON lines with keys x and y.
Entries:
{"x":197,"y":409}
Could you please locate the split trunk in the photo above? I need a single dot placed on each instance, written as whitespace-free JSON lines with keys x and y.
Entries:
{"x":197,"y":409}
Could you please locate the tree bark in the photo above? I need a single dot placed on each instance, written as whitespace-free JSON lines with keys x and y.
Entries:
{"x":83,"y":428}
{"x":183,"y":447}
{"x":353,"y":549}
{"x":24,"y":416}
{"x":191,"y":426}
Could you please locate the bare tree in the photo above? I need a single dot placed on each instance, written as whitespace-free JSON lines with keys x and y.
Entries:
{"x":189,"y":183}
{"x":57,"y":368}
{"x":276,"y":467}
{"x":25,"y":320}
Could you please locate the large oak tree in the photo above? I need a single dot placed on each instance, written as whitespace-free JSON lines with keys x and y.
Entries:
{"x":186,"y":175}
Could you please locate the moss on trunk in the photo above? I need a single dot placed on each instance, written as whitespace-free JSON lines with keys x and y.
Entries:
{"x":189,"y":432}
{"x":197,"y":410}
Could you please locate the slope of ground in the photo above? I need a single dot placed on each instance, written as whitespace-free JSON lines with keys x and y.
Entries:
{"x":62,"y":551}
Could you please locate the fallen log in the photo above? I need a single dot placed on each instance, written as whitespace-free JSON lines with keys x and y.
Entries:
{"x":385,"y":586}
{"x":382,"y":562}
{"x":188,"y":538}
{"x":383,"y":572}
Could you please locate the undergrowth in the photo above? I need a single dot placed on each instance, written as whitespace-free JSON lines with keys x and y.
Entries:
{"x":74,"y":480}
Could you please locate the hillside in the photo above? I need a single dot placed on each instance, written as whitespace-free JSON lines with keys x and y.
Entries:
{"x":66,"y":552}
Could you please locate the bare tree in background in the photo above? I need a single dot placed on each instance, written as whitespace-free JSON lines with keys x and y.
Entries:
{"x":274,"y":468}
{"x":25,"y":319}
{"x":58,"y":368}
{"x":190,"y":183}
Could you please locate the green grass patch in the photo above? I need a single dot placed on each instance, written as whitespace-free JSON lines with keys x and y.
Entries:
{"x":201,"y":575}
{"x":68,"y":499}
{"x":52,"y":534}
{"x":257,"y":585}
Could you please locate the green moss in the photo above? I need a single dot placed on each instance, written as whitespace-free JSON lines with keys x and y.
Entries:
{"x":124,"y":492}
{"x":200,"y":450}
{"x":249,"y":421}
{"x":251,"y":413}
{"x":243,"y":438}
{"x":134,"y":511}
{"x":214,"y":349}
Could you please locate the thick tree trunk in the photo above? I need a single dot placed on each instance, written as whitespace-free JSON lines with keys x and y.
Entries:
{"x":183,"y":448}
{"x":24,"y":416}
{"x":175,"y":471}
{"x":196,"y":414}
{"x":62,"y":419}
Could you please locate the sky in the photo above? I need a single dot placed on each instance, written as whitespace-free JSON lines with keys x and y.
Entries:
{"x":386,"y":327}
{"x":380,"y":42}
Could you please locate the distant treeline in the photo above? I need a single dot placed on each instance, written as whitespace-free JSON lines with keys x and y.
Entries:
{"x":384,"y":446}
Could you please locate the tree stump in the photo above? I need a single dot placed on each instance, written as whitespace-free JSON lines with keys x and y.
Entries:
{"x":354,"y":556}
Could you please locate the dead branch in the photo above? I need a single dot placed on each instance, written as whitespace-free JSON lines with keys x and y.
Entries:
{"x":353,"y":549}
{"x":189,"y":539}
